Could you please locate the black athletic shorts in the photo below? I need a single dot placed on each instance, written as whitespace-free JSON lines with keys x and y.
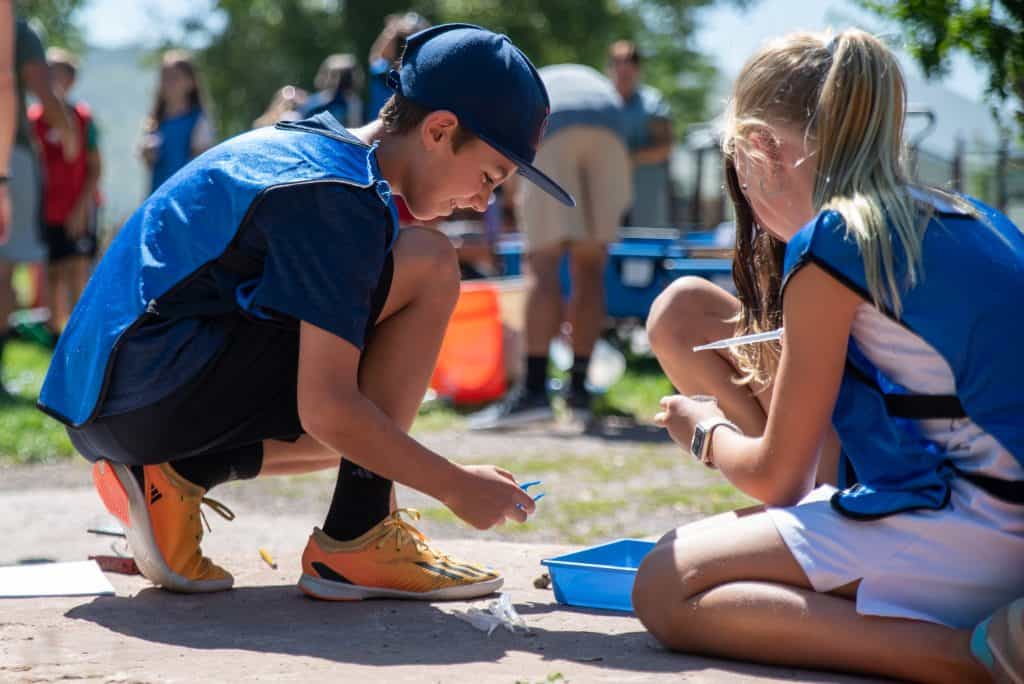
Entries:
{"x":61,"y":246}
{"x":245,"y":395}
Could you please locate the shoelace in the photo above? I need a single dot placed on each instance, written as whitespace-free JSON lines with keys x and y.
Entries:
{"x":218,"y":508}
{"x":402,"y":529}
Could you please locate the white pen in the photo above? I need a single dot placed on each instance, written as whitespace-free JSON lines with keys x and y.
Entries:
{"x":742,"y":339}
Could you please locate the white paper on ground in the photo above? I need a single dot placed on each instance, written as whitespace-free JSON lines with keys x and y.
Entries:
{"x":78,"y":578}
{"x":499,"y":613}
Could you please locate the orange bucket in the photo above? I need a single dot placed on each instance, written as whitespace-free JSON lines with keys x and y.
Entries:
{"x":471,"y":365}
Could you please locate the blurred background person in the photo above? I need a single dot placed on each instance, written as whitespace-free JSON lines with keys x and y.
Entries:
{"x":8,"y":111}
{"x":179,"y":126}
{"x":585,"y":148}
{"x":338,"y":81}
{"x":70,"y":193}
{"x":25,"y":243}
{"x":648,"y":134}
{"x":284,"y":106}
{"x":384,"y":53}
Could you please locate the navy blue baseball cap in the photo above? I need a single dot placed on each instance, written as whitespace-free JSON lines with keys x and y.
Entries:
{"x":486,"y":81}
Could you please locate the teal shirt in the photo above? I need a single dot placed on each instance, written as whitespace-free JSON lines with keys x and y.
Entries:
{"x":650,"y":181}
{"x":27,"y":49}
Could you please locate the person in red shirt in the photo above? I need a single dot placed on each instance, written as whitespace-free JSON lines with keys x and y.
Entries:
{"x":71,"y":196}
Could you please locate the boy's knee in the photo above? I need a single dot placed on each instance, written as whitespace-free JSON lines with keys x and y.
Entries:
{"x":677,"y":313}
{"x":434,"y":259}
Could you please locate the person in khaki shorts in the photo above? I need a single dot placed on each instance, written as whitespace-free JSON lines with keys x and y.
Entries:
{"x":585,"y":147}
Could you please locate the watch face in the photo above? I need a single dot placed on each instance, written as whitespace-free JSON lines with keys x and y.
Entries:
{"x":697,"y":443}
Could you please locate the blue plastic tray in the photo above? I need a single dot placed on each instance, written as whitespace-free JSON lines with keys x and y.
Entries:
{"x":598,"y":577}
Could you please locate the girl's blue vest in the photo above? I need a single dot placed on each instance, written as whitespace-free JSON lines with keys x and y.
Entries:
{"x":966,"y":305}
{"x":175,"y":146}
{"x":186,"y":224}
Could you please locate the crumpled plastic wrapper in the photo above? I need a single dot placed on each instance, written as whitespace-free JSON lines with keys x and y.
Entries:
{"x":498,"y":613}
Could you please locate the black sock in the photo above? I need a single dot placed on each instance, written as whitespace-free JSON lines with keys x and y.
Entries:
{"x":210,"y":470}
{"x":579,"y":374}
{"x":536,"y":374}
{"x":361,"y":500}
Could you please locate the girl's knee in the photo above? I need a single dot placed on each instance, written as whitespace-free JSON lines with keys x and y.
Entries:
{"x":680,"y":310}
{"x":657,"y":591}
{"x":664,"y":598}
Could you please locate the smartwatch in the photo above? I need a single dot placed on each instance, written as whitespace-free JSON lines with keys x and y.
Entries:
{"x":700,"y":445}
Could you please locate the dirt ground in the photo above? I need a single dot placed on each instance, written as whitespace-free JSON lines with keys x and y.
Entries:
{"x":266,"y":630}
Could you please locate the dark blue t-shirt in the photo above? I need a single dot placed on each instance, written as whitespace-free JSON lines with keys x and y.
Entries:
{"x":337,"y":105}
{"x":312,"y":252}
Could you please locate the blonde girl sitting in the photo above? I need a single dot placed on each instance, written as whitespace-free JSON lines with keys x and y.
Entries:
{"x":902,"y":318}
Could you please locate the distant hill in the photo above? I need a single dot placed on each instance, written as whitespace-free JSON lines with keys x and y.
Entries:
{"x":119,"y":88}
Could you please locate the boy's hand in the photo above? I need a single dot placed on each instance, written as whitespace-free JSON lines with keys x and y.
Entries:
{"x":486,"y":496}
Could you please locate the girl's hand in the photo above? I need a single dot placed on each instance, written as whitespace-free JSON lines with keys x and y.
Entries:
{"x":149,"y":148}
{"x":680,"y":414}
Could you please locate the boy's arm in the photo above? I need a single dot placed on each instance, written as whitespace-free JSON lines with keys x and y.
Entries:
{"x":659,"y":149}
{"x":79,"y":220}
{"x":335,"y":413}
{"x":36,"y":76}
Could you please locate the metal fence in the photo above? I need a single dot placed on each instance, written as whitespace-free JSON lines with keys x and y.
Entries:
{"x":994,"y":173}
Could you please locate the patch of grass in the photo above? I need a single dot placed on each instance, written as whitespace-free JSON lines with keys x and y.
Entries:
{"x":26,"y":434}
{"x":439,"y":515}
{"x":638,"y":391}
{"x":517,"y":528}
{"x":635,"y":394}
{"x":580,"y":510}
{"x":716,"y":498}
{"x":436,"y":416}
{"x":538,"y":465}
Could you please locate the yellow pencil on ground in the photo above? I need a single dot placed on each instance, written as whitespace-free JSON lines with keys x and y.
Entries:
{"x":267,"y":558}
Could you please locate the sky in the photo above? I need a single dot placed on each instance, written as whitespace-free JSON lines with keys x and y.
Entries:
{"x":728,"y":34}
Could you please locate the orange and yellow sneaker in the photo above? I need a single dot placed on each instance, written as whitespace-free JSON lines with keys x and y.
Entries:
{"x":392,"y":560}
{"x":163,"y":524}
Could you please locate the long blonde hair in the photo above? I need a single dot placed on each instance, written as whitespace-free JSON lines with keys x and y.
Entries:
{"x":846,"y":93}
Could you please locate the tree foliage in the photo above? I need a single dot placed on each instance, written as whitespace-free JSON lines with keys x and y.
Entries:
{"x":269,"y":43}
{"x":991,"y":32}
{"x":56,"y":20}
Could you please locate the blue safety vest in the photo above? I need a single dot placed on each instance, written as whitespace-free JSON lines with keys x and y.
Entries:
{"x":966,"y":305}
{"x":189,"y":223}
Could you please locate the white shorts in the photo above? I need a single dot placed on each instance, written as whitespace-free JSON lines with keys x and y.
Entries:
{"x":954,"y":566}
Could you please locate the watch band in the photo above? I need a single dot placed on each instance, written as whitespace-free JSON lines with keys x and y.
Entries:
{"x":702,"y":434}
